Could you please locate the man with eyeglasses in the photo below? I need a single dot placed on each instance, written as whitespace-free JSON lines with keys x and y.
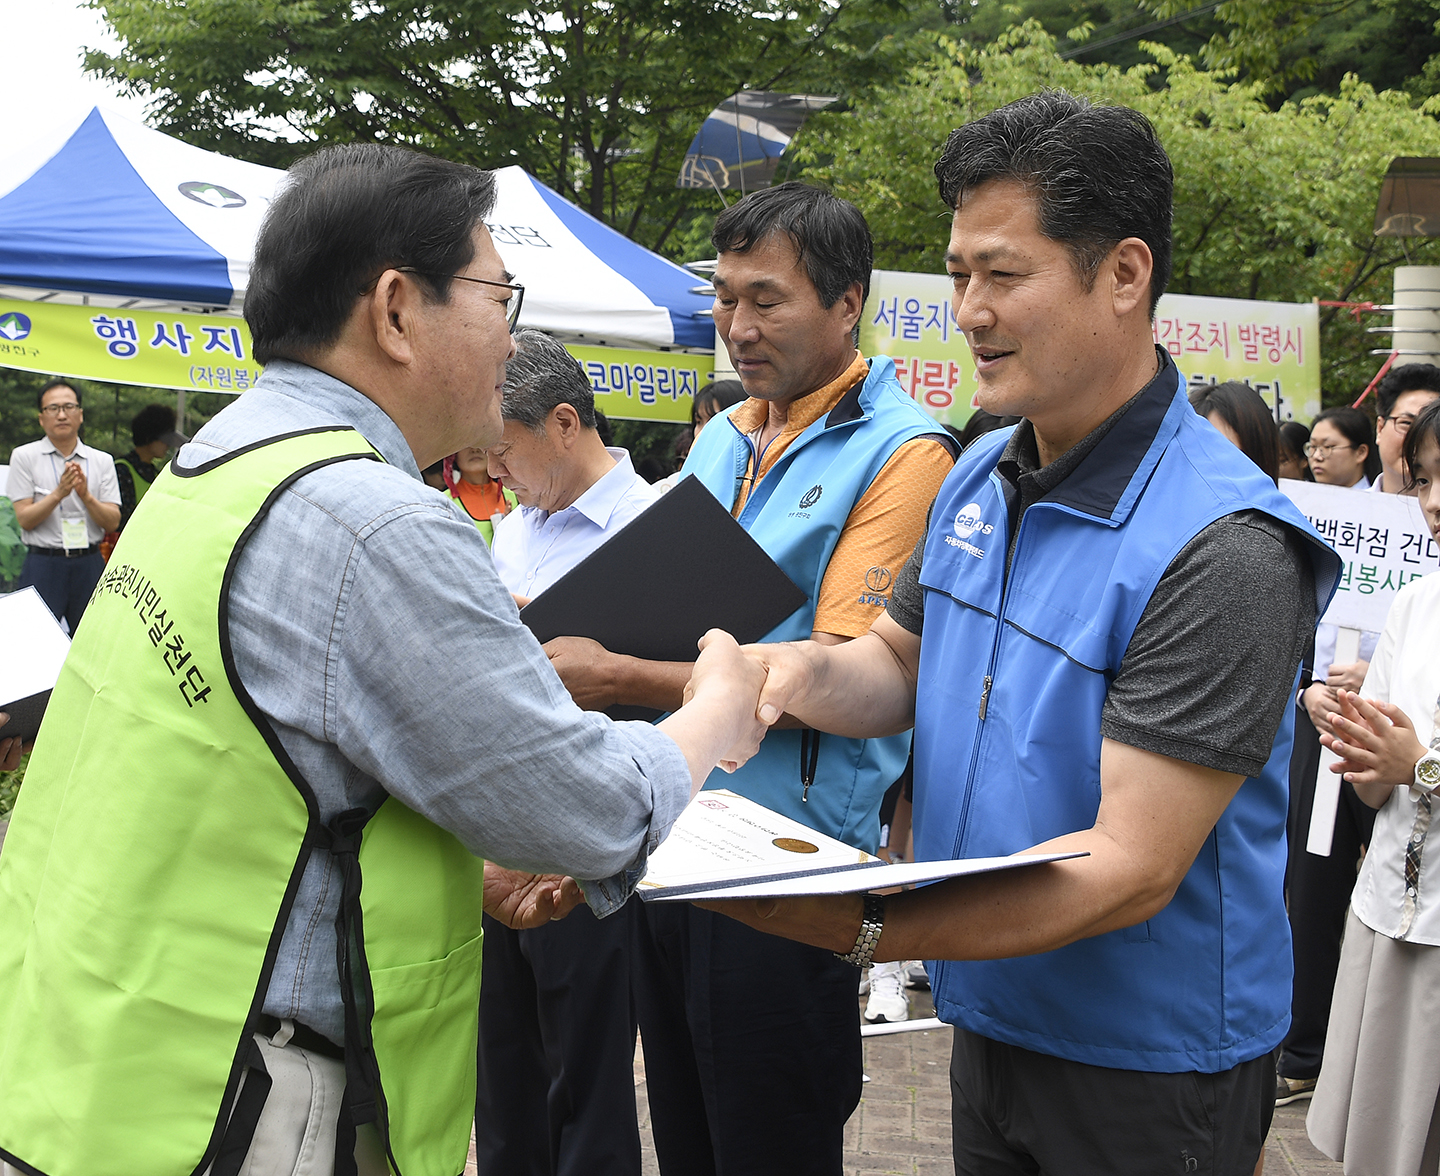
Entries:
{"x":1399,"y":397}
{"x":66,"y":497}
{"x":241,"y":899}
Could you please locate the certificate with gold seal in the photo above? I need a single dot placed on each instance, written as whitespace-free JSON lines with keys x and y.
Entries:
{"x":726,"y":846}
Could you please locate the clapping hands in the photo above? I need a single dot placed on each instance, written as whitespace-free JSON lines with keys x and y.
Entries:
{"x":1376,"y":742}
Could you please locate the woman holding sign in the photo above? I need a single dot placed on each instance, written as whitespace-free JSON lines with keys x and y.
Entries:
{"x":1375,"y":1106}
{"x":1341,"y":451}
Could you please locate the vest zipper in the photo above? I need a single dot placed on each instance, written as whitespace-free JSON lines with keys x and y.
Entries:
{"x":989,"y":681}
{"x":809,"y":760}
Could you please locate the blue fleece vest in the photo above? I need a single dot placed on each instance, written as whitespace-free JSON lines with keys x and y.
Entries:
{"x":1205,"y":984}
{"x":796,"y":513}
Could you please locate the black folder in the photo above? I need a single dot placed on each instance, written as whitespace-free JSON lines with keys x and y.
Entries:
{"x":25,"y":716}
{"x":681,"y":567}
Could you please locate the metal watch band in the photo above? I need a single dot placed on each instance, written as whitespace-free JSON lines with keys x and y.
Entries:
{"x":872,"y":922}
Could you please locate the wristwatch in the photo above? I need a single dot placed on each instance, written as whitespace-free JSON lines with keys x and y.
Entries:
{"x":872,"y":922}
{"x":1427,"y":772}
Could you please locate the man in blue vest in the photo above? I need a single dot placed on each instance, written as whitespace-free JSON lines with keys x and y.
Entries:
{"x":752,"y":1045}
{"x":1096,"y":642}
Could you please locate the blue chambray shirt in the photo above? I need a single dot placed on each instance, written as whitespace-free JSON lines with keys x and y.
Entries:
{"x":368,"y":623}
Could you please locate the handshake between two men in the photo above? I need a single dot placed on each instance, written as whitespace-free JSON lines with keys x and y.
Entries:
{"x":729,"y":698}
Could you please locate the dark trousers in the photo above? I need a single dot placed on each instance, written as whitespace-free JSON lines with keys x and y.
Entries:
{"x":556,"y":1078}
{"x":65,"y":585}
{"x":1319,"y":891}
{"x":752,"y":1046}
{"x":1015,"y":1112}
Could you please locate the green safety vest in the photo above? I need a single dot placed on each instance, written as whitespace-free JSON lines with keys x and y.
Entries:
{"x":139,"y":482}
{"x":153,"y":858}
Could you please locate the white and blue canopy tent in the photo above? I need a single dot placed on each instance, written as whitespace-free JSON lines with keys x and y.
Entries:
{"x":107,"y":212}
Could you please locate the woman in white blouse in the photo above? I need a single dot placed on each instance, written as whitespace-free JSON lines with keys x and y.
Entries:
{"x":1377,"y":1104}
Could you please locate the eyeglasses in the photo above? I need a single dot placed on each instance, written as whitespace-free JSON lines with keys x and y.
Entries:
{"x":1322,"y":451}
{"x":57,"y":409}
{"x":512,"y":312}
{"x":1402,"y":423}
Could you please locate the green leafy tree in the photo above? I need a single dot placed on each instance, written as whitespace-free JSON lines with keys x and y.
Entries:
{"x":12,"y":546}
{"x":1288,"y":43}
{"x":1298,"y":47}
{"x":10,"y":787}
{"x":599,"y":100}
{"x":1271,"y":204}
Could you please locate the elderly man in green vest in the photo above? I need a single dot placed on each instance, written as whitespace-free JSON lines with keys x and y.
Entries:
{"x":240,"y":899}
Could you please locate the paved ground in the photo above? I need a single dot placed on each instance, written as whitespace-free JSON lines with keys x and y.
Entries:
{"x":902,"y":1125}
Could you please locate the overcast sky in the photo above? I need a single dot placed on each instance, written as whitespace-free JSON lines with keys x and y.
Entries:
{"x":40,"y":76}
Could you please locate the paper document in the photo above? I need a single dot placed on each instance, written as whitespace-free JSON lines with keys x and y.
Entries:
{"x":725,"y":846}
{"x":35,"y":650}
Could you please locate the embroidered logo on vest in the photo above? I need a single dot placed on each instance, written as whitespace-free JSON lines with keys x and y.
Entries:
{"x":967,"y":523}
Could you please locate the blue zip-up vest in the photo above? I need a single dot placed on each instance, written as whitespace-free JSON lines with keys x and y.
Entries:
{"x":796,"y":513}
{"x":1205,"y":984}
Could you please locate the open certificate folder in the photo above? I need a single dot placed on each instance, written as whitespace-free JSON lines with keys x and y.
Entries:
{"x":725,"y":846}
{"x":35,"y":649}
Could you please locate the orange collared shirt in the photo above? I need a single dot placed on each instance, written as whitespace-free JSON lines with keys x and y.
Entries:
{"x":883,"y":526}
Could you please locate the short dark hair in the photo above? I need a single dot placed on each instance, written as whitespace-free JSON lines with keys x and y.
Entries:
{"x":1245,"y":411}
{"x":717,"y":395}
{"x":345,"y":215}
{"x":831,"y":239}
{"x":1355,"y":427}
{"x":541,"y":375}
{"x":1293,"y":436}
{"x":51,"y":386}
{"x":1098,"y":173}
{"x":1410,"y":377}
{"x":1425,"y":428}
{"x":151,"y":423}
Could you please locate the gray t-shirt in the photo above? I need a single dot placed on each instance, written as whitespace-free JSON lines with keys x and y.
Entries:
{"x":1207,"y":674}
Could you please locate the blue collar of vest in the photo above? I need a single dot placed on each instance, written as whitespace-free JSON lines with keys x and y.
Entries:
{"x":858,"y":404}
{"x":1108,"y":482}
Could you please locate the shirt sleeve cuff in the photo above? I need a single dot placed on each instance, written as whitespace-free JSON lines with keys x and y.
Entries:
{"x":661,"y":763}
{"x":1221,"y":759}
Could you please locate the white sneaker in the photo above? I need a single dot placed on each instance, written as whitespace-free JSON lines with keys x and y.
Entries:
{"x":916,"y":976}
{"x":865,"y":982}
{"x":888,"y":1001}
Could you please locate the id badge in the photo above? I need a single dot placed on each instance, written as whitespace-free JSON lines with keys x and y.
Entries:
{"x":73,"y":533}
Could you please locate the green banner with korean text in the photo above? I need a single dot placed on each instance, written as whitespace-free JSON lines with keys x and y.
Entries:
{"x":157,"y":349}
{"x":644,"y":385}
{"x":1272,"y":346}
{"x":211,"y":353}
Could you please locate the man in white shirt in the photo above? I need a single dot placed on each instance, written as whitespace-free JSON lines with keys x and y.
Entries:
{"x":573,"y":491}
{"x":557,"y":1033}
{"x":66,"y":497}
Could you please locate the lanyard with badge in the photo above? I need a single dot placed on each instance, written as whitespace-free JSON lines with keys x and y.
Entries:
{"x":74,"y":529}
